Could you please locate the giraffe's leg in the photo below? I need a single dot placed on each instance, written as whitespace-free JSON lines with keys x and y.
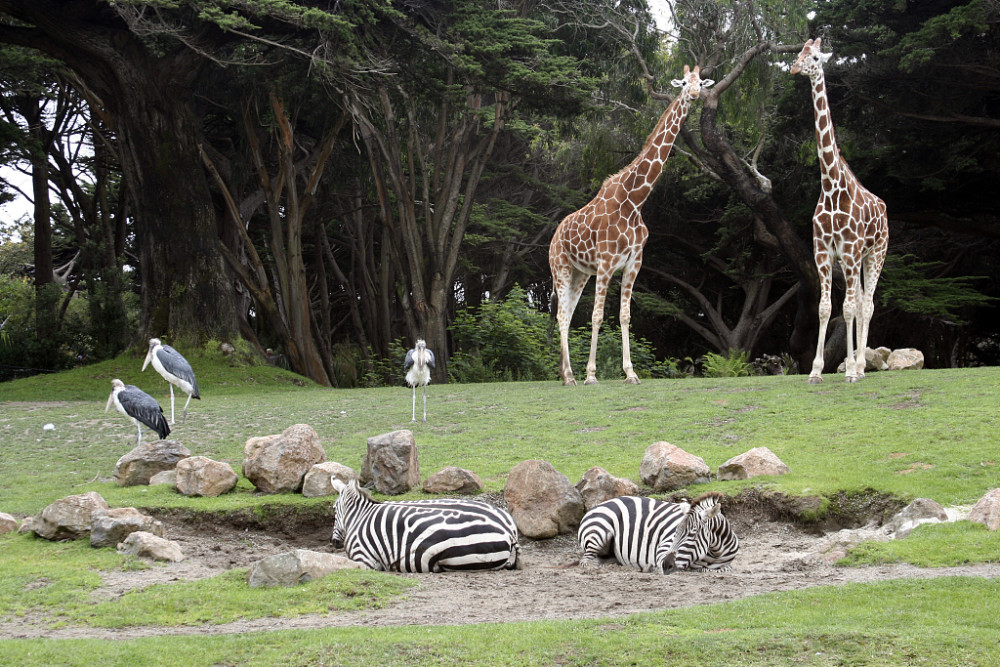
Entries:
{"x":872,"y":270}
{"x":853,"y":278}
{"x":600,"y":292}
{"x":625,"y":316}
{"x":171,"y":403}
{"x":825,"y":269}
{"x":569,"y":286}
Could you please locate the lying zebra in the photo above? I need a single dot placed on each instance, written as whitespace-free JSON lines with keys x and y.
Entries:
{"x":423,"y":535}
{"x":656,"y":536}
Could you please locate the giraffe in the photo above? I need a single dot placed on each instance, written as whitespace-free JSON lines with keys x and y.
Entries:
{"x":608,"y":234}
{"x":849,"y":226}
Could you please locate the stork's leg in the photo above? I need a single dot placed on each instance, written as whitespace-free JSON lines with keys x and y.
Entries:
{"x":414,"y":415}
{"x":138,"y":438}
{"x":171,"y":403}
{"x":184,"y":418}
{"x":425,"y":402}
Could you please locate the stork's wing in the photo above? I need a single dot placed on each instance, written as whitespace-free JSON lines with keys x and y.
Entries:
{"x":175,"y":364}
{"x":408,"y":361}
{"x":430,"y":358}
{"x":140,"y":405}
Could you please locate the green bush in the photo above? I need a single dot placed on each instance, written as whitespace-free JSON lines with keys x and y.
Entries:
{"x":502,"y":340}
{"x":733,"y":364}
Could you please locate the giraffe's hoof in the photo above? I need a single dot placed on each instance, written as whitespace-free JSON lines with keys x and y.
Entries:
{"x":591,"y":381}
{"x":850,"y":378}
{"x":632,"y":380}
{"x":815,"y":379}
{"x":569,"y":383}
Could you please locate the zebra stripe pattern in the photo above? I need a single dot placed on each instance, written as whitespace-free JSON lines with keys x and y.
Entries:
{"x":423,"y":535}
{"x":656,"y":536}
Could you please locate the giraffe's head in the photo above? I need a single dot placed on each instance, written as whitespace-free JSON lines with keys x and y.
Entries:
{"x":811,"y":59}
{"x":692,"y":83}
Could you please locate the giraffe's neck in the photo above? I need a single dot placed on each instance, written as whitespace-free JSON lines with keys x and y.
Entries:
{"x":826,"y":144}
{"x":639,"y":177}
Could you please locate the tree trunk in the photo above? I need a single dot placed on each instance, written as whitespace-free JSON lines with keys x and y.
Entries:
{"x":186,"y":291}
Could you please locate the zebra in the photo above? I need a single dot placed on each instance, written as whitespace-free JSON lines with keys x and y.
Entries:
{"x":656,"y":536}
{"x":422,"y":535}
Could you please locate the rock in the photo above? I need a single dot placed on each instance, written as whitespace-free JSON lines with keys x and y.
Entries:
{"x":598,"y":485}
{"x":319,"y":480}
{"x":28,"y":525}
{"x":227,"y":349}
{"x":921,"y":510}
{"x":146,"y":545}
{"x":453,"y":480}
{"x":109,"y":527}
{"x":834,"y":546}
{"x":906,"y":358}
{"x":149,"y":458}
{"x":543,"y":502}
{"x":279,"y":463}
{"x":987,"y":510}
{"x":295,"y":567}
{"x":69,"y":518}
{"x":666,"y":467}
{"x":391,"y":462}
{"x":201,"y":476}
{"x":758,"y":461}
{"x":877,"y":359}
{"x":8,"y":524}
{"x":165,"y":477}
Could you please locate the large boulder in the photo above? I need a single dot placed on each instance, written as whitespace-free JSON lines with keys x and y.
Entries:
{"x":666,"y":467}
{"x":907,"y":358}
{"x":296,"y":567}
{"x":391,"y":462}
{"x":111,"y":526}
{"x":319,"y":480}
{"x":201,"y":476}
{"x":598,"y":485}
{"x":921,"y":510}
{"x":877,"y":359}
{"x":987,"y":510}
{"x":543,"y":502}
{"x":69,"y":518}
{"x":146,"y":545}
{"x":279,"y":463}
{"x":149,"y":458}
{"x":8,"y":524}
{"x":453,"y":480}
{"x":753,"y":463}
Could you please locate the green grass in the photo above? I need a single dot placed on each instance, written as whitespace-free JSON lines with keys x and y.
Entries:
{"x":58,"y":579}
{"x":907,"y":434}
{"x":932,"y":622}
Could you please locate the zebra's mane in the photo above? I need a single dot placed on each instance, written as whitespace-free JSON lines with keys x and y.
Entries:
{"x":706,"y":496}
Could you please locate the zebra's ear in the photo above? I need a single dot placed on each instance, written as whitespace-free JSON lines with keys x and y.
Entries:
{"x":712,"y":511}
{"x":338,"y":484}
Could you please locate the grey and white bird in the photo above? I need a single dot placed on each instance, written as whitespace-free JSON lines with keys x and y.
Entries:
{"x":175,"y":369}
{"x":138,"y":406}
{"x":418,"y":364}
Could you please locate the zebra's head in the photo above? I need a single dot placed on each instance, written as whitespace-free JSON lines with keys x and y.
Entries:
{"x":691,"y":539}
{"x":349,"y":495}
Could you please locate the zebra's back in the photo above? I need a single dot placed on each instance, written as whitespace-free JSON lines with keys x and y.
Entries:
{"x":427,"y":535}
{"x":630,"y":528}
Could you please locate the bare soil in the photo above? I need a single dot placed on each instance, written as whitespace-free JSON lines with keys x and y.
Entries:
{"x":774,"y":556}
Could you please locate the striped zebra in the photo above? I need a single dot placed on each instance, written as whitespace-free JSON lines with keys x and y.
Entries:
{"x":423,"y":535}
{"x":656,"y":536}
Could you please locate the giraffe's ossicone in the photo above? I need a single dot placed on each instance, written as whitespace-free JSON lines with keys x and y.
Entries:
{"x":608,"y":234}
{"x":849,"y":226}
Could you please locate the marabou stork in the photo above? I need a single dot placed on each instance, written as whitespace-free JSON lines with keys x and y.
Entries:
{"x":418,"y":364}
{"x":138,"y":406}
{"x":175,"y":369}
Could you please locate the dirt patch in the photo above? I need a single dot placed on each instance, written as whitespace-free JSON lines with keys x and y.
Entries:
{"x":774,"y":556}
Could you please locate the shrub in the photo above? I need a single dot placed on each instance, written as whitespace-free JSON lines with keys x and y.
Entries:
{"x":734,"y":364}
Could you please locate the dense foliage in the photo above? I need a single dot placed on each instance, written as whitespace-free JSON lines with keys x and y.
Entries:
{"x":333,"y":181}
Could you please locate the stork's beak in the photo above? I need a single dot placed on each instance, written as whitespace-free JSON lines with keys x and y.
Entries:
{"x":111,"y":399}
{"x":149,"y":357}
